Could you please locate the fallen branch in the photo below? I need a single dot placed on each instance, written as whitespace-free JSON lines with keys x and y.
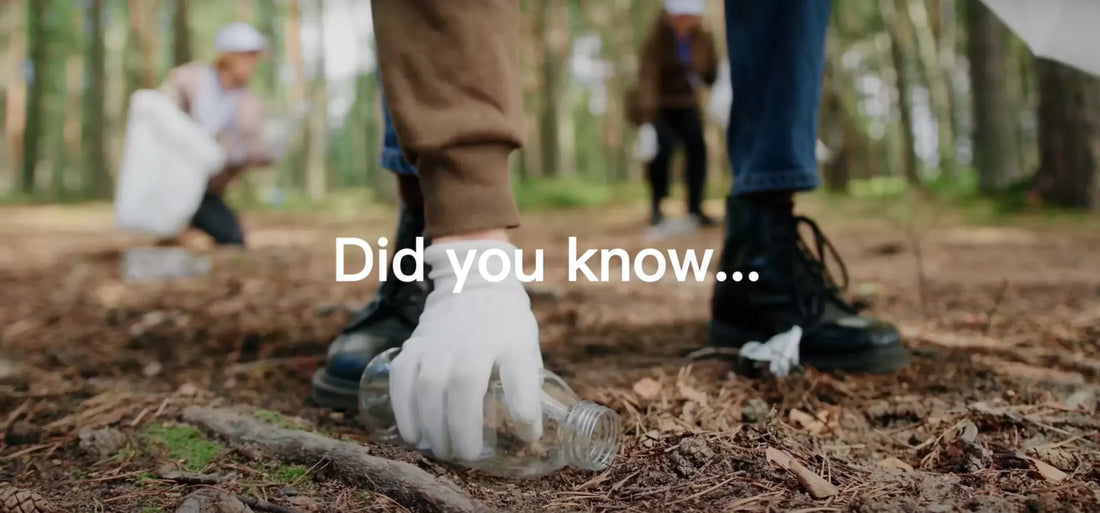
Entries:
{"x":815,"y":485}
{"x":408,"y":485}
{"x":258,"y":505}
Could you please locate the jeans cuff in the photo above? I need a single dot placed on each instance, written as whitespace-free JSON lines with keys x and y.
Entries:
{"x":747,"y":182}
{"x":394,"y":161}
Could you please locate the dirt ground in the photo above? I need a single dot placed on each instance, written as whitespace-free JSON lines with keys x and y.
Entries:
{"x":996,"y":413}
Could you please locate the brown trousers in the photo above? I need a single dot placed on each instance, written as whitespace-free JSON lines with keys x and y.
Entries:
{"x":450,"y":77}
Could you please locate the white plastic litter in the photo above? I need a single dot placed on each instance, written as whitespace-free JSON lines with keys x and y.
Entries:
{"x":780,"y":352}
{"x":1063,"y":30}
{"x":167,"y":160}
{"x":647,"y":145}
{"x":721,"y":96}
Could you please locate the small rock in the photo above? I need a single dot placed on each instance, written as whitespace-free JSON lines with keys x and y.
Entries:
{"x":102,"y":442}
{"x":755,"y":411}
{"x":289,"y":491}
{"x":22,"y":433}
{"x":212,"y":501}
{"x":895,"y":464}
{"x":8,"y":370}
{"x":152,"y":369}
{"x":1084,"y":399}
{"x":187,"y":390}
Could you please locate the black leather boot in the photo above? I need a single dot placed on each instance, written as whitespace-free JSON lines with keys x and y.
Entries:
{"x":385,"y":322}
{"x":794,"y":287}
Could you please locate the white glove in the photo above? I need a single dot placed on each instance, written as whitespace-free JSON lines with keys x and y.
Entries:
{"x":439,"y":380}
{"x":780,"y":351}
{"x":647,"y":144}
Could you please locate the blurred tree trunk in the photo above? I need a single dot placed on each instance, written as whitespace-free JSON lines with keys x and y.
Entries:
{"x":839,"y":131}
{"x":901,"y":44}
{"x":97,"y":180}
{"x":181,"y":32}
{"x":15,"y":91}
{"x":317,"y":147}
{"x":141,"y":48}
{"x":552,"y":27}
{"x":294,"y":164}
{"x":36,"y":91}
{"x":266,"y":13}
{"x":939,"y":90}
{"x":1069,"y":136}
{"x":996,"y":155}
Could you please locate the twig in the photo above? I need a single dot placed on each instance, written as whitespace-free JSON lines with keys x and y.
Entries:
{"x":14,"y":415}
{"x":28,"y":450}
{"x":114,"y":478}
{"x":409,"y":485}
{"x":137,"y":420}
{"x":259,"y":505}
{"x":293,"y":361}
{"x":996,"y":303}
{"x":702,"y":493}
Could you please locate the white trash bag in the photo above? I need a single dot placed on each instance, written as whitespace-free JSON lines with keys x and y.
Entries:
{"x":167,"y":160}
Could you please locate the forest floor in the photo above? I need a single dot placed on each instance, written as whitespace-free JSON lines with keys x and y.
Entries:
{"x":996,"y":413}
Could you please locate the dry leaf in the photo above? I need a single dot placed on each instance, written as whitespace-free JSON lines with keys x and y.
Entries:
{"x":894,"y":463}
{"x":816,"y":485}
{"x":647,"y":388}
{"x":1048,"y":471}
{"x":803,"y":420}
{"x":692,"y":394}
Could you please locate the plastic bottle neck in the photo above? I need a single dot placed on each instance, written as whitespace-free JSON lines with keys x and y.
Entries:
{"x":591,"y":436}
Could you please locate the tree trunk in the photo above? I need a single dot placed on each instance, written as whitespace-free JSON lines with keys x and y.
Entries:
{"x":1069,"y":136}
{"x":549,"y":29}
{"x":267,"y":13}
{"x":901,"y":44}
{"x":97,"y":180}
{"x":15,"y":92}
{"x":141,"y":48}
{"x":939,"y":89}
{"x":317,"y":151}
{"x":996,"y":156}
{"x":181,"y":33}
{"x":37,"y":54}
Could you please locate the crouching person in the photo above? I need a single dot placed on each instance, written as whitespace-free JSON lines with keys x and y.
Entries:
{"x":217,"y":98}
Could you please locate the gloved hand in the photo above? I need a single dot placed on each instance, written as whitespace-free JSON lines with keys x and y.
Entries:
{"x":439,"y":380}
{"x":647,"y":144}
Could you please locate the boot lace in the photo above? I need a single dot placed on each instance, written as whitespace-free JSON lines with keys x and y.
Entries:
{"x":818,"y":287}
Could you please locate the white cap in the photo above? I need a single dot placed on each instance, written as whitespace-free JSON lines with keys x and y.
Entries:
{"x":239,"y":37}
{"x":692,"y":7}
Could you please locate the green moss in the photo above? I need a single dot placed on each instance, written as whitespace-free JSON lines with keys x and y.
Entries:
{"x":152,"y":508}
{"x":276,"y":419}
{"x":183,"y":443}
{"x":289,"y":473}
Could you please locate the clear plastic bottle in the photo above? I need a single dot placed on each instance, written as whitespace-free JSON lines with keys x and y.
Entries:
{"x":576,"y":433}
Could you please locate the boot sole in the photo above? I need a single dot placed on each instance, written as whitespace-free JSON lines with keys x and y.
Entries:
{"x":880,"y":360}
{"x":335,"y":393}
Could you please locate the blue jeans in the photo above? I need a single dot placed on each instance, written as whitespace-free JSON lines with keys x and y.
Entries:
{"x":777,"y":58}
{"x":392,"y":158}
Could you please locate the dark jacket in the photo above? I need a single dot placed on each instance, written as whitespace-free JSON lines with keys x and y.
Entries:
{"x":663,"y":81}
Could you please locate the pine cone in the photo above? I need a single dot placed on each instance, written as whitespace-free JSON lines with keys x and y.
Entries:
{"x":18,"y":500}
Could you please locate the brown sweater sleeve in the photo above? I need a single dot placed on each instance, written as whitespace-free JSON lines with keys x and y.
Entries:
{"x":450,"y":78}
